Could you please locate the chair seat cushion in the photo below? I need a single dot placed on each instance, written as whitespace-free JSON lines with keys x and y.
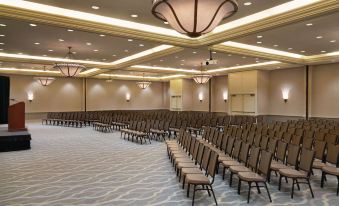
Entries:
{"x":225,"y":158}
{"x":292,"y":173}
{"x":277,"y":166}
{"x":191,"y":170}
{"x":185,"y":165}
{"x":183,"y":160}
{"x":331,"y":170}
{"x":227,"y":164}
{"x":239,"y":168}
{"x":318,"y":164}
{"x":250,"y":177}
{"x":198,"y":179}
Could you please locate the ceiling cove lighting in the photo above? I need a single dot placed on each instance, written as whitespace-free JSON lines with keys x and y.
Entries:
{"x":44,"y":81}
{"x":262,"y":49}
{"x":90,"y":71}
{"x":28,"y":70}
{"x":142,"y":54}
{"x":283,"y":8}
{"x":243,"y":66}
{"x":69,"y":69}
{"x":143,"y":84}
{"x":27,"y":5}
{"x":191,"y":17}
{"x":164,"y":69}
{"x":202,"y":78}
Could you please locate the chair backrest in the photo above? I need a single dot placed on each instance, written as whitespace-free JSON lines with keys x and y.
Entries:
{"x":250,"y":138}
{"x":230,"y":145}
{"x":307,"y":142}
{"x":200,"y":153}
{"x":292,"y":154}
{"x":264,"y":142}
{"x":265,"y":163}
{"x":237,"y":147}
{"x":254,"y":158}
{"x":306,"y":160}
{"x":205,"y":158}
{"x":319,"y":136}
{"x":272,"y":145}
{"x":331,"y":138}
{"x":281,"y":150}
{"x":192,"y":146}
{"x":224,"y":142}
{"x":332,"y":154}
{"x":206,"y":132}
{"x":296,"y":139}
{"x":219,"y":139}
{"x":196,"y":149}
{"x":257,"y":140}
{"x":245,"y":147}
{"x":212,"y":164}
{"x":319,"y":148}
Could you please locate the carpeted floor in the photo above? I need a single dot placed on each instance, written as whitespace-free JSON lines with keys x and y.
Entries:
{"x":69,"y":166}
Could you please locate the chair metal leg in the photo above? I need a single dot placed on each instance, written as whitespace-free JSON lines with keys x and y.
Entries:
{"x":297,"y":184}
{"x":249,"y":192}
{"x":322,"y":179}
{"x":268,"y":192}
{"x":231,"y":178}
{"x":223,"y":173}
{"x":338,"y":186}
{"x":183,"y":182}
{"x":188,"y":190}
{"x":239,"y":186}
{"x":256,"y":184}
{"x":215,"y":199}
{"x":193,"y":195}
{"x":309,"y":185}
{"x":292,"y":192}
{"x":279,"y":182}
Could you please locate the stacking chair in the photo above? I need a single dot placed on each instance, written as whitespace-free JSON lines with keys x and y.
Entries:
{"x":332,"y":158}
{"x":292,"y":157}
{"x":319,"y":148}
{"x":260,"y":177}
{"x":303,"y":171}
{"x":203,"y":179}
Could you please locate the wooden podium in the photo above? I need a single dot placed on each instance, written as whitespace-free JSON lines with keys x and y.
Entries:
{"x":16,"y":117}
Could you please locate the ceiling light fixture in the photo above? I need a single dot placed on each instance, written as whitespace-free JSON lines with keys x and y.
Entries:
{"x":247,"y":3}
{"x":333,"y":41}
{"x":61,"y":40}
{"x":143,"y":84}
{"x":2,"y":35}
{"x":95,"y":7}
{"x":205,"y":15}
{"x":33,"y":25}
{"x":36,"y":43}
{"x":164,"y":69}
{"x":70,"y":30}
{"x":202,"y":78}
{"x":243,"y":66}
{"x":319,"y":37}
{"x":134,"y":15}
{"x":3,"y":25}
{"x":309,"y":24}
{"x":102,"y":35}
{"x":69,"y":69}
{"x":44,"y":81}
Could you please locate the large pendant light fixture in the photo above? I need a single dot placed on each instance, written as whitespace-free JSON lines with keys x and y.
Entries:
{"x":44,"y":81}
{"x":69,"y":69}
{"x":143,"y":84}
{"x":202,"y":78}
{"x":194,"y":17}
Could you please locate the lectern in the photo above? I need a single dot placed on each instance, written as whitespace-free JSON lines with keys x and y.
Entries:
{"x":16,"y":117}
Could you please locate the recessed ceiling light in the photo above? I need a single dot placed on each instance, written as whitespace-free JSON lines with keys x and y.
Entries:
{"x":319,"y":37}
{"x":114,"y":55}
{"x":70,"y":30}
{"x":323,"y":51}
{"x":214,"y":52}
{"x":176,"y":57}
{"x":33,"y":25}
{"x":161,"y":60}
{"x":19,"y":53}
{"x":88,"y":43}
{"x":183,"y":60}
{"x":275,"y":45}
{"x":102,"y":35}
{"x":141,"y":45}
{"x":290,"y":48}
{"x":182,"y":64}
{"x":95,"y":50}
{"x":50,"y":50}
{"x":130,"y":40}
{"x":3,"y":25}
{"x":259,"y":42}
{"x":194,"y":52}
{"x":229,"y":55}
{"x":2,"y":43}
{"x":259,"y":36}
{"x":237,"y":64}
{"x":134,"y":15}
{"x":125,"y":50}
{"x":248,"y":3}
{"x":165,"y":22}
{"x":332,"y":41}
{"x":95,"y":7}
{"x":44,"y":55}
{"x":61,"y":40}
{"x":257,"y":61}
{"x":243,"y":57}
{"x":303,"y":51}
{"x":1,"y":49}
{"x":37,"y":43}
{"x":309,"y":24}
{"x":104,"y":59}
{"x":2,"y":35}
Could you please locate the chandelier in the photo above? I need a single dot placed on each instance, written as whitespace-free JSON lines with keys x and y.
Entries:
{"x":44,"y":81}
{"x":194,"y":17}
{"x":69,"y":69}
{"x":202,"y":78}
{"x":143,"y":84}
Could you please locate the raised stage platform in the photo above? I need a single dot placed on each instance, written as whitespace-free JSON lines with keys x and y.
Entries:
{"x":14,"y":141}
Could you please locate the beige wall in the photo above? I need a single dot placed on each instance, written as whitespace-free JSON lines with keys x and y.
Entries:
{"x":219,"y":89}
{"x":64,"y":94}
{"x":324,"y":94}
{"x":263,"y":97}
{"x":112,"y":96}
{"x":292,"y":80}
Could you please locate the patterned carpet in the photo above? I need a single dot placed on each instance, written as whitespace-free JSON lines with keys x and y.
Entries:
{"x":69,"y":166}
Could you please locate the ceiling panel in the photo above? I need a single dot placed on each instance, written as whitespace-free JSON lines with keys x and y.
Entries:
{"x":20,"y":37}
{"x":123,"y":9}
{"x":311,"y":37}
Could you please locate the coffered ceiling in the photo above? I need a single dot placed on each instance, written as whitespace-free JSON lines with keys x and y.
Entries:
{"x":307,"y":34}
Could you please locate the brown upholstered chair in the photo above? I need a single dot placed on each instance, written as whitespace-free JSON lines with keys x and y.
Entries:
{"x":292,"y":158}
{"x":303,"y":172}
{"x":260,"y":177}
{"x":319,"y":148}
{"x":332,"y":158}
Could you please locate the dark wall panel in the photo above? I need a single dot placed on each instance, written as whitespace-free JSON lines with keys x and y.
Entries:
{"x":4,"y":99}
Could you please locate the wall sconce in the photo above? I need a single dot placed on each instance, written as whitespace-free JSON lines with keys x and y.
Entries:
{"x":201,"y":97}
{"x":225,"y":96}
{"x":285,"y":94}
{"x":30,"y":97}
{"x":128,"y":97}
